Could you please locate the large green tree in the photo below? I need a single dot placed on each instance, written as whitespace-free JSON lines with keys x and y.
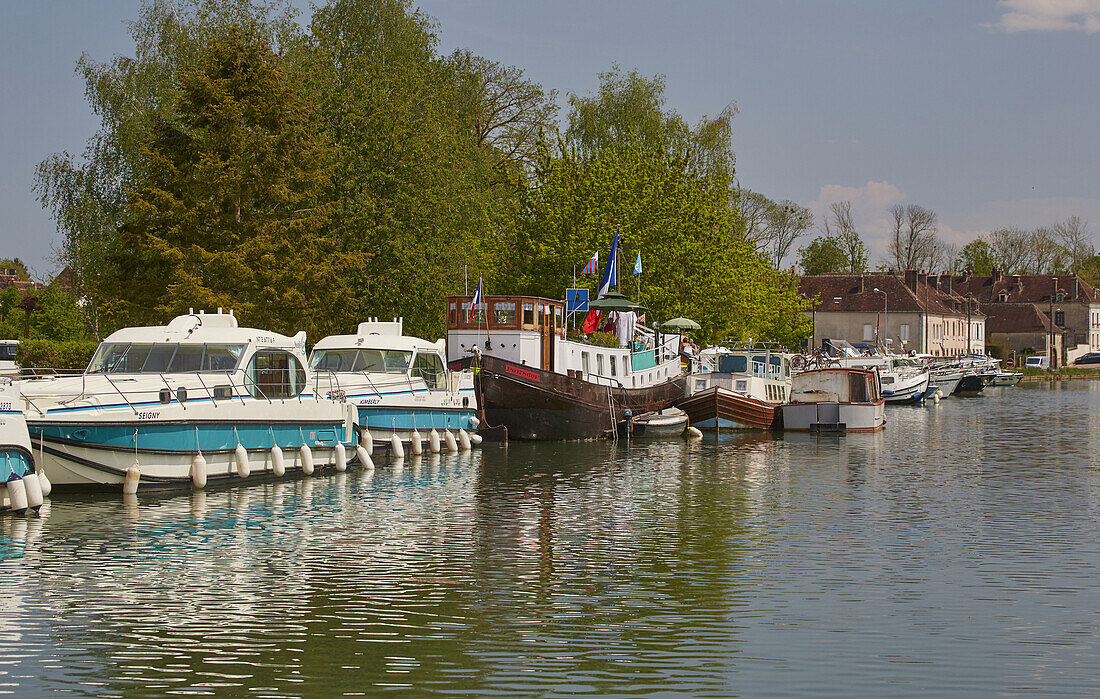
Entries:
{"x":823,"y":255}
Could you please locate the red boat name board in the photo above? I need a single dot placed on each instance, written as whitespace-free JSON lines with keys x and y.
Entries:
{"x":522,"y":373}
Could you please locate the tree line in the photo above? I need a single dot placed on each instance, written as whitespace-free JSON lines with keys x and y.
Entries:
{"x":309,"y":174}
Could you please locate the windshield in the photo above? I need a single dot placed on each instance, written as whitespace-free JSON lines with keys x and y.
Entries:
{"x":8,"y":351}
{"x":137,"y":358}
{"x":375,"y":361}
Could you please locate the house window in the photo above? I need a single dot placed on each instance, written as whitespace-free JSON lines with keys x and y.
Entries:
{"x":1002,"y":297}
{"x":868,"y":332}
{"x":1059,"y":317}
{"x":904,"y":332}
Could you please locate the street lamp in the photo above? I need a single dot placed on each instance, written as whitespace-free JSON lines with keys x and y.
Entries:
{"x":885,"y":315}
{"x":969,"y":300}
{"x":1054,"y":291}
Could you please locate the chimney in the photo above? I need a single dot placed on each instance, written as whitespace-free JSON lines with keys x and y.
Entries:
{"x":945,"y":283}
{"x":922,"y":278}
{"x":911,"y":279}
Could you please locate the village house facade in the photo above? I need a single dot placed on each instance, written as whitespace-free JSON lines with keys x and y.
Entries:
{"x":905,"y":313}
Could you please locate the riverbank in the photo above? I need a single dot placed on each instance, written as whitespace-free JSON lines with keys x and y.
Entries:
{"x":1066,"y":374}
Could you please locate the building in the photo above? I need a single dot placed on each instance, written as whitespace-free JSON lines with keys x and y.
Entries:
{"x":904,"y":313}
{"x":1023,"y":328}
{"x":9,"y":277}
{"x":1070,"y":305}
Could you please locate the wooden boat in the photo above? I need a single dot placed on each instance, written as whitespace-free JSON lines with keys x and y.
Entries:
{"x":743,"y":392}
{"x":835,"y":399}
{"x":663,"y":423}
{"x":536,"y":384}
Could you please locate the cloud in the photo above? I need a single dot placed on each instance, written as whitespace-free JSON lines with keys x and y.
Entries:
{"x":1049,"y":16}
{"x":870,"y":209}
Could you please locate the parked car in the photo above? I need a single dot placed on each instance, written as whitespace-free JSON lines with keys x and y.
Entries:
{"x":1037,"y":361}
{"x":1088,"y":358}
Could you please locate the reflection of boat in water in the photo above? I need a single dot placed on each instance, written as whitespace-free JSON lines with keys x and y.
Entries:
{"x":399,"y":384}
{"x":197,"y":399}
{"x":539,"y":385}
{"x":835,"y":399}
{"x":22,"y":487}
{"x":744,"y":391}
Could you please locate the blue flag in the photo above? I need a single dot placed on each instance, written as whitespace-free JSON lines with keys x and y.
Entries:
{"x":638,"y":264}
{"x":610,"y":276}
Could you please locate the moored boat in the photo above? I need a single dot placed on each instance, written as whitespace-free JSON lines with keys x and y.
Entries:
{"x":23,"y":484}
{"x":399,"y":384}
{"x":745,"y":390}
{"x":533,"y":383}
{"x":197,"y":400}
{"x":835,"y":399}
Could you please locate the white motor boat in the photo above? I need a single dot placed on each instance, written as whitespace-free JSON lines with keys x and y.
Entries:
{"x":904,"y":380}
{"x":22,"y":485}
{"x":945,"y":380}
{"x":743,"y":390}
{"x":197,"y":400}
{"x":835,"y":399}
{"x":399,"y":384}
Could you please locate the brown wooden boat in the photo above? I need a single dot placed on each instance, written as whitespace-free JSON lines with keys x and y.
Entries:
{"x":720,"y":408}
{"x":533,"y":404}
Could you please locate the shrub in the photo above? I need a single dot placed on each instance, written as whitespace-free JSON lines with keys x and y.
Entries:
{"x":41,"y":354}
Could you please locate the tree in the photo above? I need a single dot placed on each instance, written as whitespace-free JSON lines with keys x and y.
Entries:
{"x":1044,"y":252}
{"x":787,"y":222}
{"x":823,"y":255}
{"x":914,"y":243}
{"x":976,"y":257}
{"x":1010,"y":248}
{"x":843,"y":229}
{"x":752,"y":224}
{"x":1075,"y":240}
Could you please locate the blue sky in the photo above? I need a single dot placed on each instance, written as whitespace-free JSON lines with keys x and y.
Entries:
{"x":984,"y":112}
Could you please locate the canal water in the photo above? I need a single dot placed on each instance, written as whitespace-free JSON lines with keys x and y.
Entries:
{"x":957,"y":551}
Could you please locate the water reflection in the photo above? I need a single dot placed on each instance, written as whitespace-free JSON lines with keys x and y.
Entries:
{"x":954,"y":551}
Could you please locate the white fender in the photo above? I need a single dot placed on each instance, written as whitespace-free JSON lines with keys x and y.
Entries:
{"x":47,"y":487}
{"x":433,"y":441}
{"x":133,"y":476}
{"x":463,"y":440}
{"x":397,"y":449}
{"x":366,"y":440}
{"x":240,"y":455}
{"x":34,"y":491}
{"x":307,"y":459}
{"x":341,"y":458}
{"x":364,"y":458}
{"x":278,"y":467}
{"x":449,"y":440}
{"x":198,"y":470}
{"x":17,"y":494}
{"x":693,"y":433}
{"x":475,"y":439}
{"x":474,"y":422}
{"x":416,"y":443}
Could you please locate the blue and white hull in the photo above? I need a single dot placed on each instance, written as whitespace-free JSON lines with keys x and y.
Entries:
{"x":22,"y":485}
{"x":905,"y":389}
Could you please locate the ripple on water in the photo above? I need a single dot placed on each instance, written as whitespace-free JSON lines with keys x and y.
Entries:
{"x":954,"y":552}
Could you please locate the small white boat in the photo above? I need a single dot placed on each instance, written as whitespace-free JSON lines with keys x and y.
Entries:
{"x":197,"y":400}
{"x":399,"y":384}
{"x":1007,"y":378}
{"x":22,"y":485}
{"x":903,"y":385}
{"x":663,"y":423}
{"x":835,"y":399}
{"x":945,"y":380}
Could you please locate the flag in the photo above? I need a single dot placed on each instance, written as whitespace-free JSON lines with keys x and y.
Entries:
{"x":638,"y":264}
{"x":591,"y":322}
{"x":593,"y":265}
{"x":641,"y":319}
{"x":610,"y":276}
{"x":477,"y":299}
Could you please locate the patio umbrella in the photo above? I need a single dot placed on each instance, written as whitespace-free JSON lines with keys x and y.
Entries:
{"x":679,"y":325}
{"x":614,"y":301}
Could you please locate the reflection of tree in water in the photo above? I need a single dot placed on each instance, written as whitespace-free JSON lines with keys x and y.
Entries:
{"x":611,"y":560}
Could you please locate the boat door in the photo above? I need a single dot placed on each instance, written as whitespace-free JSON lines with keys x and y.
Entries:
{"x":546,"y":330}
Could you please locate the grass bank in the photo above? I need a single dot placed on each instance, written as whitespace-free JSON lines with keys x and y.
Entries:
{"x":1063,"y":374}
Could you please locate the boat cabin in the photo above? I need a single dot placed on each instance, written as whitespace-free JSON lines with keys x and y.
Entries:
{"x":836,"y":385}
{"x":381,"y":347}
{"x":520,"y":329}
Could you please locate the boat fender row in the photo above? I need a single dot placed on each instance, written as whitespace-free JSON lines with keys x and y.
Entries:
{"x":25,"y":493}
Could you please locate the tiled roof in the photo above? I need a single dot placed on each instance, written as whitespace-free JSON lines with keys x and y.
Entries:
{"x":855,"y":292}
{"x":1024,"y":288}
{"x":1016,"y":318}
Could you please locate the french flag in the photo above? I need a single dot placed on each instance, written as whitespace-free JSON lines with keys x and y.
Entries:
{"x":593,"y":265}
{"x":477,"y":299}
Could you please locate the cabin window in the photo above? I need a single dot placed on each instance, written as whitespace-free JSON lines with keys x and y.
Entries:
{"x":375,"y":361}
{"x":452,"y":314}
{"x":528,"y":314}
{"x":599,"y":364}
{"x":504,"y":313}
{"x":857,"y":387}
{"x":479,"y":313}
{"x":626,"y":366}
{"x":429,"y":367}
{"x":126,"y":358}
{"x":557,"y":318}
{"x":868,"y":332}
{"x":274,"y":374}
{"x":736,"y":364}
{"x":542,"y":315}
{"x":584,"y":364}
{"x":611,"y":361}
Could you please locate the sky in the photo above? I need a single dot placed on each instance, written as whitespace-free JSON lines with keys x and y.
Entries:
{"x":985,"y":112}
